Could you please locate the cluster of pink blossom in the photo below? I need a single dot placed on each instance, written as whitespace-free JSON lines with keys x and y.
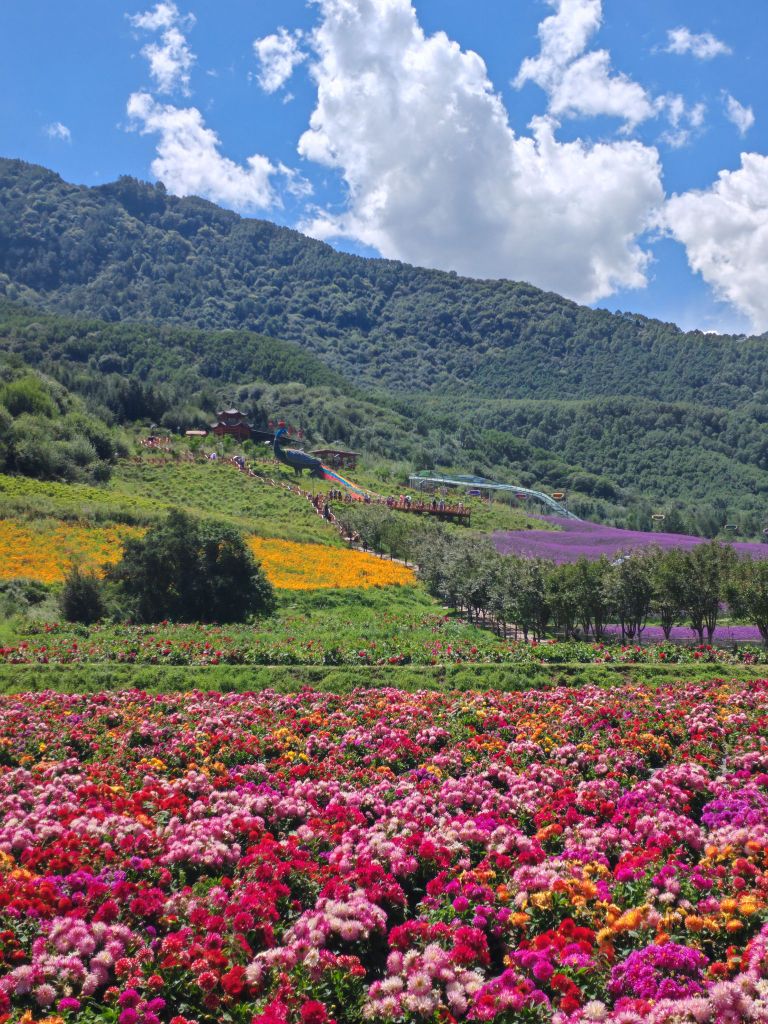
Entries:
{"x":571,"y":856}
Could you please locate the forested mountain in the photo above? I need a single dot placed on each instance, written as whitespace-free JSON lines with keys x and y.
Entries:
{"x":149,"y":307}
{"x":129,"y":250}
{"x":620,"y":458}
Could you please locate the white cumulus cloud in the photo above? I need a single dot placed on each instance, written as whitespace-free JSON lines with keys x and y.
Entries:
{"x":189,"y":161}
{"x":278,"y":54}
{"x":162,"y":15}
{"x":581,"y":83}
{"x":725,"y":232}
{"x":703,"y":46}
{"x":170,"y":60}
{"x":436,"y":175}
{"x":57,"y":130}
{"x":684,"y":121}
{"x":743,"y":117}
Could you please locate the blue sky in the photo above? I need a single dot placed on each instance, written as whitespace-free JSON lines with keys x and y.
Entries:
{"x":582,"y":149}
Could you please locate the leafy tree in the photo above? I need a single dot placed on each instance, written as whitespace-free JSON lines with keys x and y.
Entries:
{"x":592,"y":595}
{"x":565,"y":596}
{"x":747,"y":591}
{"x":191,"y":572}
{"x":531,"y":607}
{"x":28,"y":395}
{"x":630,"y":591}
{"x":707,"y":568}
{"x":670,"y":593}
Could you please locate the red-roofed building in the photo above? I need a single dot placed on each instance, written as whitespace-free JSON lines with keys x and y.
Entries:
{"x":232,"y":423}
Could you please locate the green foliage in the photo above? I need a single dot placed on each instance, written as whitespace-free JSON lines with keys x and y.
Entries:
{"x":82,"y":597}
{"x":747,"y":591}
{"x":46,"y":433}
{"x":668,"y":574}
{"x":706,"y":572}
{"x":149,"y":255}
{"x":630,"y":591}
{"x":191,"y":572}
{"x":28,"y":395}
{"x":343,"y":679}
{"x":709,"y":463}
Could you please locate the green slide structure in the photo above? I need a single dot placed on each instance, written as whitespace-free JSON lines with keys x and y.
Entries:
{"x":480,"y":483}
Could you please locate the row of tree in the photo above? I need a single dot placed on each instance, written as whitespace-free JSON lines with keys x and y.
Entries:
{"x":673,"y":586}
{"x":584,"y":597}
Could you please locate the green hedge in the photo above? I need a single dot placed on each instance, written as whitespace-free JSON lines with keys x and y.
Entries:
{"x":239,"y":679}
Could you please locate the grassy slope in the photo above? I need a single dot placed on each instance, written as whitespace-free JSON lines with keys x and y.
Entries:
{"x":220,"y":492}
{"x":142,"y":493}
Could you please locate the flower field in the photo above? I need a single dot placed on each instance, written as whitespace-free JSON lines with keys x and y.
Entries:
{"x":293,"y":566}
{"x":576,"y":539}
{"x":373,"y":636}
{"x":581,"y":855}
{"x":45,"y":552}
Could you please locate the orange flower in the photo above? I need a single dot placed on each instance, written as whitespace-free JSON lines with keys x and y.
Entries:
{"x":47,"y":552}
{"x":292,"y":566}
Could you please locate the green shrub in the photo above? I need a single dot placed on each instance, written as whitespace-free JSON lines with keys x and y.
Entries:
{"x":82,"y":597}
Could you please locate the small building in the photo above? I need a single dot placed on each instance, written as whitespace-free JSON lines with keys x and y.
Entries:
{"x":232,"y":423}
{"x":195,"y":433}
{"x":337,"y":457}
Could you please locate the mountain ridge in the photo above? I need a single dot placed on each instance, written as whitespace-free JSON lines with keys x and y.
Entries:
{"x":128,"y":250}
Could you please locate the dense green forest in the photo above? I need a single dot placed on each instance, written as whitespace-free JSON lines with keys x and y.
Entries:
{"x":621,"y":459}
{"x":145,"y":307}
{"x":49,"y":433}
{"x":129,"y":250}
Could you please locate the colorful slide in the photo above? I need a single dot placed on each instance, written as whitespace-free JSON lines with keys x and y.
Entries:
{"x":358,"y":493}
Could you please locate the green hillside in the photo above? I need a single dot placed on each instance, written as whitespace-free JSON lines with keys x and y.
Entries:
{"x":149,"y":308}
{"x":129,"y":250}
{"x":620,"y":458}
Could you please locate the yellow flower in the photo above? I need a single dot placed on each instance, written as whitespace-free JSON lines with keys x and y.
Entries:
{"x":541,"y":900}
{"x":47,"y":552}
{"x":630,"y":920}
{"x":748,"y":905}
{"x":292,"y":566}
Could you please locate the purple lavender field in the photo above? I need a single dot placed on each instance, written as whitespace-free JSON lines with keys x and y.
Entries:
{"x":683,"y":634}
{"x":592,"y":540}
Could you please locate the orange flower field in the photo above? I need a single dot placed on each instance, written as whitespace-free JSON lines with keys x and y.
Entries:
{"x":292,"y":566}
{"x":46,"y":551}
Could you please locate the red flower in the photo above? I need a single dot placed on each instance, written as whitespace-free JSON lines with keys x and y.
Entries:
{"x":233,"y":981}
{"x":313,"y":1012}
